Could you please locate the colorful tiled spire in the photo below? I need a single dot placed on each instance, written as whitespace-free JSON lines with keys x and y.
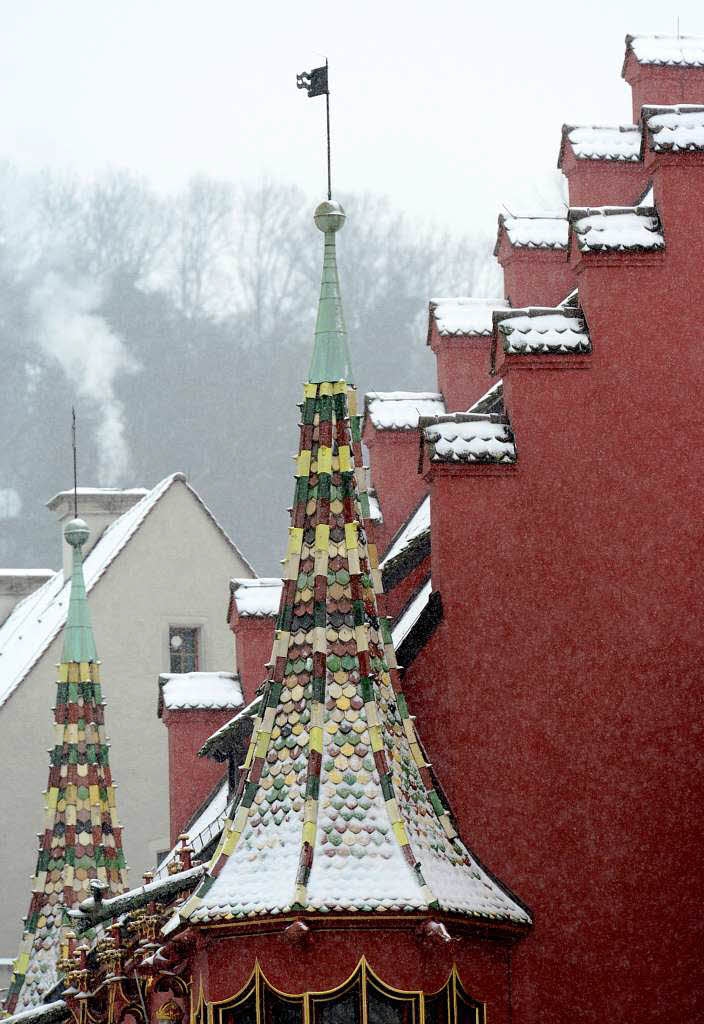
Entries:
{"x":80,"y":846}
{"x":337,"y":808}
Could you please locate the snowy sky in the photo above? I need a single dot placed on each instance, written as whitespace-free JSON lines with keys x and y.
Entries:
{"x":449,"y":107}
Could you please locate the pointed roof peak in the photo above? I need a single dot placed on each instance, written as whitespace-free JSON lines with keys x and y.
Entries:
{"x":331,"y":357}
{"x":79,"y":643}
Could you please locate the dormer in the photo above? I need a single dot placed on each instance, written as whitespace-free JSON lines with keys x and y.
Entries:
{"x":251,"y":615}
{"x":664,"y":70}
{"x":602,"y":163}
{"x":532,"y":251}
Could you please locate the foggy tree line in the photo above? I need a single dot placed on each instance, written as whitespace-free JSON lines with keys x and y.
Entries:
{"x":181,"y":327}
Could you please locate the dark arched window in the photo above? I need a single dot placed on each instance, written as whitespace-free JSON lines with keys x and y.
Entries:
{"x":363,"y":999}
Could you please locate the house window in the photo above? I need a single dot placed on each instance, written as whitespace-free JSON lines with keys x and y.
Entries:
{"x":184,"y":648}
{"x":362,"y":999}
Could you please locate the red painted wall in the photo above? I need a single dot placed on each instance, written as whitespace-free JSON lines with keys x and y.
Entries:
{"x":394,"y":457}
{"x":666,"y":85}
{"x":400,"y":958}
{"x":254,"y":638}
{"x":191,"y":778}
{"x":534,"y":277}
{"x":603,"y":182}
{"x":462,"y":367}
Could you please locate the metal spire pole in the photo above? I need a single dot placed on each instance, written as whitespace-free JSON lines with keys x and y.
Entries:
{"x":75,"y":471}
{"x":327,"y":112}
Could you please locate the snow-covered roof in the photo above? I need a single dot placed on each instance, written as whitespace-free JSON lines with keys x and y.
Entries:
{"x":90,"y":913}
{"x":375,"y":515}
{"x":538,"y":232}
{"x":44,"y":1013}
{"x":34,"y":622}
{"x":670,"y":51}
{"x":676,"y":128}
{"x":604,"y":142}
{"x":463,"y":315}
{"x":257,"y":597}
{"x":199,"y":691}
{"x":416,"y":526}
{"x":466,"y":437}
{"x":25,"y":573}
{"x":617,"y":228}
{"x":401,"y":410}
{"x":535,"y":329}
{"x":410,"y":614}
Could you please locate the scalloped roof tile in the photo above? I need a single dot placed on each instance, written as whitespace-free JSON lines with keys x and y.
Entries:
{"x":539,"y":330}
{"x":605,"y":142}
{"x":535,"y":232}
{"x":199,"y":691}
{"x":468,"y":438}
{"x":461,"y":315}
{"x":257,"y":598}
{"x":675,"y":129}
{"x":669,"y":51}
{"x":401,"y":410}
{"x":617,"y":228}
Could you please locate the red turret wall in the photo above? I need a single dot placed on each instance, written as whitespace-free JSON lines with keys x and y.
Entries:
{"x":462,"y":367}
{"x":254,"y":637}
{"x":534,"y":277}
{"x":603,"y":182}
{"x":399,"y":487}
{"x":191,"y":778}
{"x":667,"y":85}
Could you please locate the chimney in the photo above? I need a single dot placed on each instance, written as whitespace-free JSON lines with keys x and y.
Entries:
{"x":602,"y":164}
{"x":98,"y":507}
{"x":16,"y":584}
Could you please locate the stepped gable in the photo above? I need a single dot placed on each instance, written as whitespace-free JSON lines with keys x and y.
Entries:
{"x":674,"y":129}
{"x":666,"y":51}
{"x":617,"y":228}
{"x":80,"y":847}
{"x":615,"y":143}
{"x":541,"y":231}
{"x":336,"y":808}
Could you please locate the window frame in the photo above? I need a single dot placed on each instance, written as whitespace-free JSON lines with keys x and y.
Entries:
{"x":192,"y":627}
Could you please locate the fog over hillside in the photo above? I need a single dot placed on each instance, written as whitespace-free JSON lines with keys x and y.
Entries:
{"x":181,"y":329}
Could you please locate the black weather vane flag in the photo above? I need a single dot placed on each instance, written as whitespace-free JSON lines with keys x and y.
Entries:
{"x":315,"y":82}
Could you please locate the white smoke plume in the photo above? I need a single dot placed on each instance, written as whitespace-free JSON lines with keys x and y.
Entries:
{"x":67,"y":327}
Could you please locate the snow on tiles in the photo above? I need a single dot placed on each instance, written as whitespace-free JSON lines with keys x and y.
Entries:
{"x":401,"y":410}
{"x":410,"y":615}
{"x":418,"y":524}
{"x":531,"y":330}
{"x":617,"y":228}
{"x":597,"y":142}
{"x":200,"y":690}
{"x":463,"y":315}
{"x":258,"y":597}
{"x":470,"y":439}
{"x":536,"y":233}
{"x":675,"y":128}
{"x":674,"y":51}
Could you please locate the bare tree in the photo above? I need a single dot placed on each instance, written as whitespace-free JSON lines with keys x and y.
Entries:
{"x":203,"y":217}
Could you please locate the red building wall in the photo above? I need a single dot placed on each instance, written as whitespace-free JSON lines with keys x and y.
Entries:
{"x":560,"y":697}
{"x":462,"y":368}
{"x":395,"y":476}
{"x":254,"y":637}
{"x":191,"y":778}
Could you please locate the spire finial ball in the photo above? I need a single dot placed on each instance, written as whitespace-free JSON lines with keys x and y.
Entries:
{"x":329,"y":216}
{"x":76,"y":533}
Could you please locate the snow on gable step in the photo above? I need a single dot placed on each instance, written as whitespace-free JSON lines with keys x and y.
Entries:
{"x":401,"y":410}
{"x":667,"y":51}
{"x":674,"y":129}
{"x":536,"y":329}
{"x":257,"y":598}
{"x":617,"y":228}
{"x":491,"y":402}
{"x":619,"y":143}
{"x":469,"y":438}
{"x":462,"y":315}
{"x":541,"y":231}
{"x":199,"y":691}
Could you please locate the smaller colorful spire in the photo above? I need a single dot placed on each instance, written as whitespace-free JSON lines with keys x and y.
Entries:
{"x":331,"y":356}
{"x":81,"y":843}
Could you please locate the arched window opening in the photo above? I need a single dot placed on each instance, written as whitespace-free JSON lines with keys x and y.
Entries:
{"x":363,"y":999}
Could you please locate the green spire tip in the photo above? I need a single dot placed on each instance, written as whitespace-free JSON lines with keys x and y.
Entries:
{"x":79,"y":644}
{"x":331,"y":357}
